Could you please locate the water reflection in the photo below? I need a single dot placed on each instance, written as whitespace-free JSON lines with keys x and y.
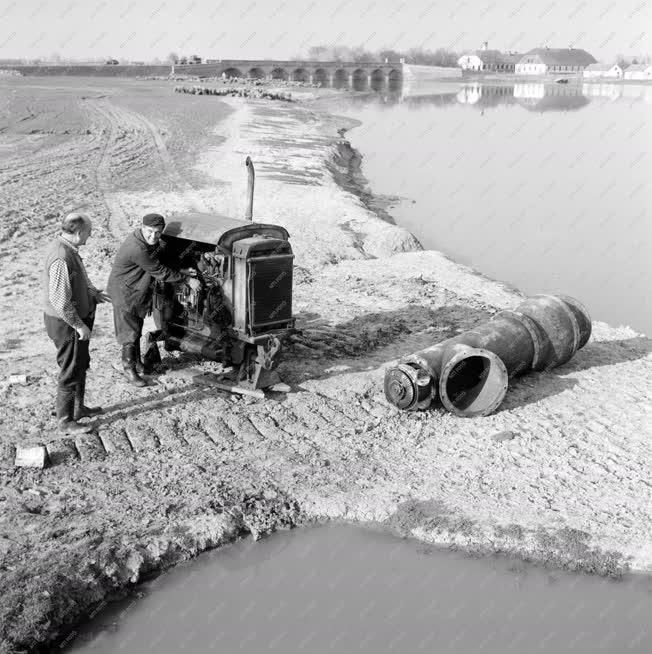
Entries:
{"x":550,"y":97}
{"x":532,"y":96}
{"x":486,"y":96}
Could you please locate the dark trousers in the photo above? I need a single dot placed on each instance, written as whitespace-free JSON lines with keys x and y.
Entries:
{"x":72,"y":354}
{"x":128,"y":325}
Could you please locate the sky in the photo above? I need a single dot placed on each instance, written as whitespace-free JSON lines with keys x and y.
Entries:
{"x":280,"y":29}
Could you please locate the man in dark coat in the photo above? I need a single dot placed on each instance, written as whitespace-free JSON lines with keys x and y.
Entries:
{"x":69,"y":301}
{"x":136,"y":268}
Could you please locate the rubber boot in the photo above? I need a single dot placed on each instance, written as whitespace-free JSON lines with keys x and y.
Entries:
{"x":129,"y":366}
{"x":140,"y":367}
{"x":81,"y":410}
{"x":65,"y":408}
{"x":152,"y":356}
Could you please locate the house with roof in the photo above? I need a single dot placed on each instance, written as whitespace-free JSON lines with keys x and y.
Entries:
{"x":543,"y":61}
{"x":613,"y":71}
{"x":638,"y":71}
{"x":487,"y":60}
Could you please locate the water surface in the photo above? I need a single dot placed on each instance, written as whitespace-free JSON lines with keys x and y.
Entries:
{"x":344,"y":589}
{"x":545,"y":186}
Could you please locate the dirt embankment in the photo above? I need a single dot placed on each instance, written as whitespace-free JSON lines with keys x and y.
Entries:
{"x":176,"y":467}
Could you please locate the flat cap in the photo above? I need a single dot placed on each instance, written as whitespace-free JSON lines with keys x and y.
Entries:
{"x":153,"y":220}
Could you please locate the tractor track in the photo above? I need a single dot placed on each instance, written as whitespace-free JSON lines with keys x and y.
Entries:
{"x":133,"y":144}
{"x":297,"y":430}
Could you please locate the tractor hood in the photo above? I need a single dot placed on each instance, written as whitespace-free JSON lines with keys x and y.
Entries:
{"x":218,"y":230}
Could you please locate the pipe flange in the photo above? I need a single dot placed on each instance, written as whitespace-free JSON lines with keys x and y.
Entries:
{"x":494,"y":387}
{"x":417,"y":361}
{"x":408,"y":388}
{"x":576,"y":304}
{"x":533,"y":331}
{"x":573,"y":321}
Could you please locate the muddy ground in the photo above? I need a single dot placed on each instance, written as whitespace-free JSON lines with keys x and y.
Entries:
{"x":559,"y":474}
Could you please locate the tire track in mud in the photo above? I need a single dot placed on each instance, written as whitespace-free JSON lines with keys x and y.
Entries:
{"x":31,"y":188}
{"x":115,"y":214}
{"x":133,"y":142}
{"x":120,"y":141}
{"x":304,"y":424}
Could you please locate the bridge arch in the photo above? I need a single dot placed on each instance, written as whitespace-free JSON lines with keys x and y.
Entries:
{"x":279,"y":73}
{"x":256,"y":73}
{"x":377,"y":79}
{"x":394,"y":75}
{"x":321,"y":76}
{"x":232,"y":72}
{"x":359,"y":79}
{"x":300,"y":75}
{"x":340,"y":77}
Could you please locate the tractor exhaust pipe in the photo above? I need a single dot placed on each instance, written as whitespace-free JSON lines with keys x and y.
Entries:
{"x":251,"y":177}
{"x":470,"y":372}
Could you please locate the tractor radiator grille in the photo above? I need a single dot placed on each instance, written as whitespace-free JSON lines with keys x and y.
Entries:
{"x":270,"y":291}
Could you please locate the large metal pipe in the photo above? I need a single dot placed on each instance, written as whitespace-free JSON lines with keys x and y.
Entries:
{"x":251,"y":177}
{"x":470,"y":372}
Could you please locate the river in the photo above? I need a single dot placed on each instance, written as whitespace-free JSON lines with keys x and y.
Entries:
{"x":543,"y":186}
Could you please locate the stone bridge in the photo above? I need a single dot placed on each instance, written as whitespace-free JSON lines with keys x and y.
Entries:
{"x":324,"y":72}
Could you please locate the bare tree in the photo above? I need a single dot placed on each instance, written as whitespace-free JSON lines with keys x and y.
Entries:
{"x":621,"y":61}
{"x":173,"y":58}
{"x":358,"y":54}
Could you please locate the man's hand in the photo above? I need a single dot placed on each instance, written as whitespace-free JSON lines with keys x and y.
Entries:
{"x":194,"y":283}
{"x":102,"y":296}
{"x":190,"y":272}
{"x":84,"y":333}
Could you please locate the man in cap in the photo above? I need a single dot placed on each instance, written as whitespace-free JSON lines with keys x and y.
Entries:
{"x":136,"y":268}
{"x":69,"y":301}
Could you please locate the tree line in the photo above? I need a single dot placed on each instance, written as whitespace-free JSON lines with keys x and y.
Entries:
{"x":438,"y":57}
{"x":358,"y":54}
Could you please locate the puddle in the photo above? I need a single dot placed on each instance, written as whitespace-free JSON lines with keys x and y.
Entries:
{"x":344,"y":589}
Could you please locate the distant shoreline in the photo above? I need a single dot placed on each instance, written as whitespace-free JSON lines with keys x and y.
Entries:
{"x":572,"y":79}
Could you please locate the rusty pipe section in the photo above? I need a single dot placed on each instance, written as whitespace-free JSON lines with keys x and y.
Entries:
{"x":470,"y":372}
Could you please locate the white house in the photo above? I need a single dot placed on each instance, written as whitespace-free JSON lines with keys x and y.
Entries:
{"x":488,"y":60}
{"x":638,"y":71}
{"x":603,"y":70}
{"x":542,"y":61}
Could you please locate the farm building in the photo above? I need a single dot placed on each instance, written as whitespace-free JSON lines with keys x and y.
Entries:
{"x":489,"y":60}
{"x":638,"y":71}
{"x":603,"y":70}
{"x":542,"y":61}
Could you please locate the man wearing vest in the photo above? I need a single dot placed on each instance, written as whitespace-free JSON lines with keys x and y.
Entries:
{"x":69,"y":301}
{"x":137,"y":266}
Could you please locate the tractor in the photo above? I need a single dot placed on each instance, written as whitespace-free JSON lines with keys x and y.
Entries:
{"x":239,"y":309}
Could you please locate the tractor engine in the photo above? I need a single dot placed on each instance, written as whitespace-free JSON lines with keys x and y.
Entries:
{"x":239,"y":307}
